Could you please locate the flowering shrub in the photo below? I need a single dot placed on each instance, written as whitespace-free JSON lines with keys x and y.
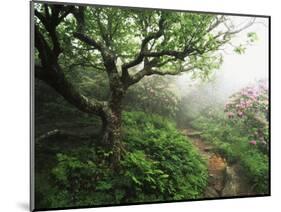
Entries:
{"x":249,"y":106}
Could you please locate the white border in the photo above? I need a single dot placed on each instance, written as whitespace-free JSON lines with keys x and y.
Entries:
{"x":14,"y":110}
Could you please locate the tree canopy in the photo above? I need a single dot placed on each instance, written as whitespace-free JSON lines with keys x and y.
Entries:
{"x":138,"y":42}
{"x":126,"y":44}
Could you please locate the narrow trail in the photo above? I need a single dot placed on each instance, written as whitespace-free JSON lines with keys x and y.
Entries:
{"x":224,"y":180}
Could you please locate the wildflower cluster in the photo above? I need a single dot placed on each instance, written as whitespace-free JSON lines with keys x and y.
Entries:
{"x":252,"y":99}
{"x":250,"y":106}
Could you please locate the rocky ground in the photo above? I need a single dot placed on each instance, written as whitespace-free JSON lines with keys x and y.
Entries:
{"x":224,"y":180}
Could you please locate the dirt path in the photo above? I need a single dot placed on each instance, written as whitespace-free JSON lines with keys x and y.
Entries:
{"x":224,"y":180}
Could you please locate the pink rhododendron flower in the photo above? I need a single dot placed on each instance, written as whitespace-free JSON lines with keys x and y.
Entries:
{"x":253,"y":142}
{"x":230,"y":114}
{"x":240,"y":113}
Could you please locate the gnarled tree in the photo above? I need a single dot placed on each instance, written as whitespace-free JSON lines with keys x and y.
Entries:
{"x":127,"y":44}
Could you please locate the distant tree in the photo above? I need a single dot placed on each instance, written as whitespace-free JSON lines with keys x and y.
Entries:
{"x":126,"y":44}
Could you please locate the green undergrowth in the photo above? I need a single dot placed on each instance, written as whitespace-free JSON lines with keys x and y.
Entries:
{"x":160,"y":164}
{"x":233,"y":144}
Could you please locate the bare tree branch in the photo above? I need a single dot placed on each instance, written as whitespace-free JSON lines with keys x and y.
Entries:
{"x":107,"y":55}
{"x":86,"y":39}
{"x":148,"y":70}
{"x":57,"y":80}
{"x":247,"y":25}
{"x":139,"y":58}
{"x":50,"y":22}
{"x":50,"y":72}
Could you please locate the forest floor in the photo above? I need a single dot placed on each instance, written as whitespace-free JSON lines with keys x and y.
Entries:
{"x":225,"y":180}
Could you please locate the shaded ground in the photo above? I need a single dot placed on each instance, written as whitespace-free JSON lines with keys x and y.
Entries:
{"x":224,"y":180}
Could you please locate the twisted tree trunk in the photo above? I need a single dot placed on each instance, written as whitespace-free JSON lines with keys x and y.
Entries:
{"x":112,"y":123}
{"x":113,"y":135}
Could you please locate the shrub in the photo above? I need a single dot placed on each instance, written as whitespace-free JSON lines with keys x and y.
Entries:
{"x":160,"y":164}
{"x":255,"y":166}
{"x":249,"y":107}
{"x":160,"y":141}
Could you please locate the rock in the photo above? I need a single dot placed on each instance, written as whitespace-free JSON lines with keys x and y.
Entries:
{"x":211,"y":192}
{"x":231,"y":186}
{"x":216,"y":169}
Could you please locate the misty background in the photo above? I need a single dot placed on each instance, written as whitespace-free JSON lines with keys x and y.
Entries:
{"x":237,"y":70}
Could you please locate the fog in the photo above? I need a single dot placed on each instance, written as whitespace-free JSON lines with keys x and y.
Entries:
{"x":237,"y":70}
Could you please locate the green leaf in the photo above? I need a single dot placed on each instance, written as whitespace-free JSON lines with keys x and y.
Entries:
{"x":104,"y":185}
